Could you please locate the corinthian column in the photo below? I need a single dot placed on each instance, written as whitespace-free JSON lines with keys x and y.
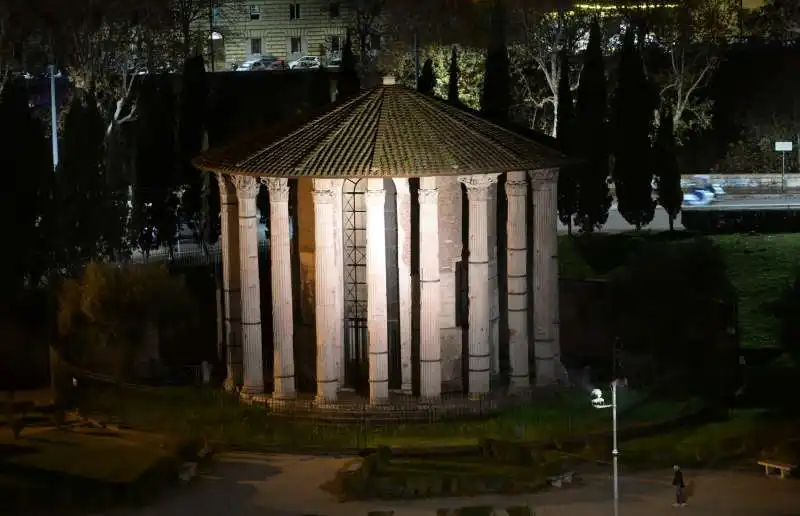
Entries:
{"x":246,"y":190}
{"x":517,"y":279}
{"x":545,"y":280}
{"x":494,"y":287}
{"x":326,"y":282}
{"x":282,"y":315}
{"x":377,"y":323}
{"x":231,"y":296}
{"x":404,"y":277}
{"x":480,"y":304}
{"x":430,"y":343}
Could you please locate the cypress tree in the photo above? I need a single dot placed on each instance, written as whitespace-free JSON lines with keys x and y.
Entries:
{"x":496,"y":94}
{"x":565,"y":127}
{"x":154,"y":221}
{"x":200,"y":199}
{"x":91,"y":213}
{"x":25,"y":196}
{"x":347,"y":82}
{"x":452,"y":83}
{"x":594,"y":199}
{"x":632,"y":111}
{"x":427,"y":78}
{"x":667,"y":171}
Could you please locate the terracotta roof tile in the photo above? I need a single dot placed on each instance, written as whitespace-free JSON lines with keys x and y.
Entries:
{"x":389,"y":131}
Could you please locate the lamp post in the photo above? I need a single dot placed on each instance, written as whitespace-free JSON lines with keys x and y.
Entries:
{"x":599,"y":403}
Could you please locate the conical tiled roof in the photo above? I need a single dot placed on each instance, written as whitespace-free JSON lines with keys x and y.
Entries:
{"x":388,"y":131}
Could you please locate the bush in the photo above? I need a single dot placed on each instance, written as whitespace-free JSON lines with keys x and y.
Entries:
{"x":786,"y":309}
{"x":672,"y":302}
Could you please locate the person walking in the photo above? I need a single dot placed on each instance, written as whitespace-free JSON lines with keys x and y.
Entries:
{"x":680,"y":487}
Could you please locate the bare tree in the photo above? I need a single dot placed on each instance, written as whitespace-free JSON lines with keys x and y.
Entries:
{"x":691,"y":40}
{"x":540,"y":37}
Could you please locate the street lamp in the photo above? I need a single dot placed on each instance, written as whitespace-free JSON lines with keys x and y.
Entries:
{"x":599,"y":403}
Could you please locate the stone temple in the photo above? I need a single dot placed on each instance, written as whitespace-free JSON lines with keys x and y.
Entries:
{"x":402,"y":276}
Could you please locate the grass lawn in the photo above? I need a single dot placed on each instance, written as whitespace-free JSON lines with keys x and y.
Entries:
{"x":48,"y":467}
{"x":744,"y":438}
{"x":760,"y":267}
{"x":216,"y":416}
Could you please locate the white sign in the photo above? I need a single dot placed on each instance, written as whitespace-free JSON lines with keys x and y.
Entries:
{"x":783,"y":146}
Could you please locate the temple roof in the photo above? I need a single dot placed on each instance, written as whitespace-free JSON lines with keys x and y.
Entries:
{"x":387,"y":131}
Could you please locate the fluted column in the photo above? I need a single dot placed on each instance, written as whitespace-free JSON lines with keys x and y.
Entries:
{"x":377,"y":320}
{"x":338,"y":239}
{"x":517,"y":279}
{"x":231,"y":286}
{"x":494,"y":286}
{"x":545,"y":280}
{"x":480,"y":306}
{"x":326,"y":280}
{"x":430,"y":344}
{"x":404,"y":277}
{"x":281,"y":273}
{"x":247,"y":190}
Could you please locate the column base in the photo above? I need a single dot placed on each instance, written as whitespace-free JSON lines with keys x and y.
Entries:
{"x":323,"y":402}
{"x":519,"y":384}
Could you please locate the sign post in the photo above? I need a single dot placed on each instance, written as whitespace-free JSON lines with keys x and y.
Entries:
{"x":783,"y":148}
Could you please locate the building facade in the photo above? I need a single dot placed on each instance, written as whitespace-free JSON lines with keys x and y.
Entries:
{"x":287,"y":30}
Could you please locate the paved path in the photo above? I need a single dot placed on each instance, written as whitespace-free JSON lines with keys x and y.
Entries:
{"x":287,"y":485}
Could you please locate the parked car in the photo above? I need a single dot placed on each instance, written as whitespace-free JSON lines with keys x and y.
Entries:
{"x":305,"y":62}
{"x":255,"y":63}
{"x":278,"y":64}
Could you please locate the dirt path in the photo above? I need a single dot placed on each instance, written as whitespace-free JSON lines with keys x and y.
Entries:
{"x":288,"y":485}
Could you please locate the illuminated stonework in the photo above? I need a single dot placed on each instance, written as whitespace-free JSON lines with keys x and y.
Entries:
{"x":385,"y":267}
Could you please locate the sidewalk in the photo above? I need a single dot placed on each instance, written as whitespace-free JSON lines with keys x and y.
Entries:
{"x":287,"y":485}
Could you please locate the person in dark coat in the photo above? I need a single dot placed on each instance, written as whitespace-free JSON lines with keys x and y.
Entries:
{"x":680,"y":487}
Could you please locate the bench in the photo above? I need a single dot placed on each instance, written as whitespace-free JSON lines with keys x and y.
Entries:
{"x":563,"y":478}
{"x":776,"y":467}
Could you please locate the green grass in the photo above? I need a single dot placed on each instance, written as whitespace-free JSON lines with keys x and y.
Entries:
{"x":219,"y":417}
{"x":745,"y":437}
{"x":760,"y":267}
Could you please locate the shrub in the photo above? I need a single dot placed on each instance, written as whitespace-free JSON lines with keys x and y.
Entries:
{"x":786,"y":308}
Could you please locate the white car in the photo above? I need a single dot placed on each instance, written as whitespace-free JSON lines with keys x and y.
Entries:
{"x":305,"y":62}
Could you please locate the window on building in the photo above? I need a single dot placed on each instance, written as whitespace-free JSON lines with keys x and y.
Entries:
{"x":375,"y":42}
{"x":255,"y":45}
{"x":255,"y":12}
{"x":336,"y":44}
{"x":294,"y":11}
{"x":296,"y":45}
{"x":333,"y":9}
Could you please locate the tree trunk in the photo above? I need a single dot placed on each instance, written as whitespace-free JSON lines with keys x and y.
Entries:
{"x":671,"y":223}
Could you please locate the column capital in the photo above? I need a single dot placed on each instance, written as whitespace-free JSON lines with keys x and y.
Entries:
{"x":278,"y":188}
{"x":516,"y":186}
{"x":246,"y":186}
{"x":543,"y":177}
{"x":226,"y":186}
{"x":323,"y":196}
{"x":478,"y":185}
{"x":428,"y":196}
{"x":378,"y":196}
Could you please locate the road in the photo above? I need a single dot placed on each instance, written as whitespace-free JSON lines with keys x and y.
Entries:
{"x":660,"y":221}
{"x":246,"y":484}
{"x":615,"y":224}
